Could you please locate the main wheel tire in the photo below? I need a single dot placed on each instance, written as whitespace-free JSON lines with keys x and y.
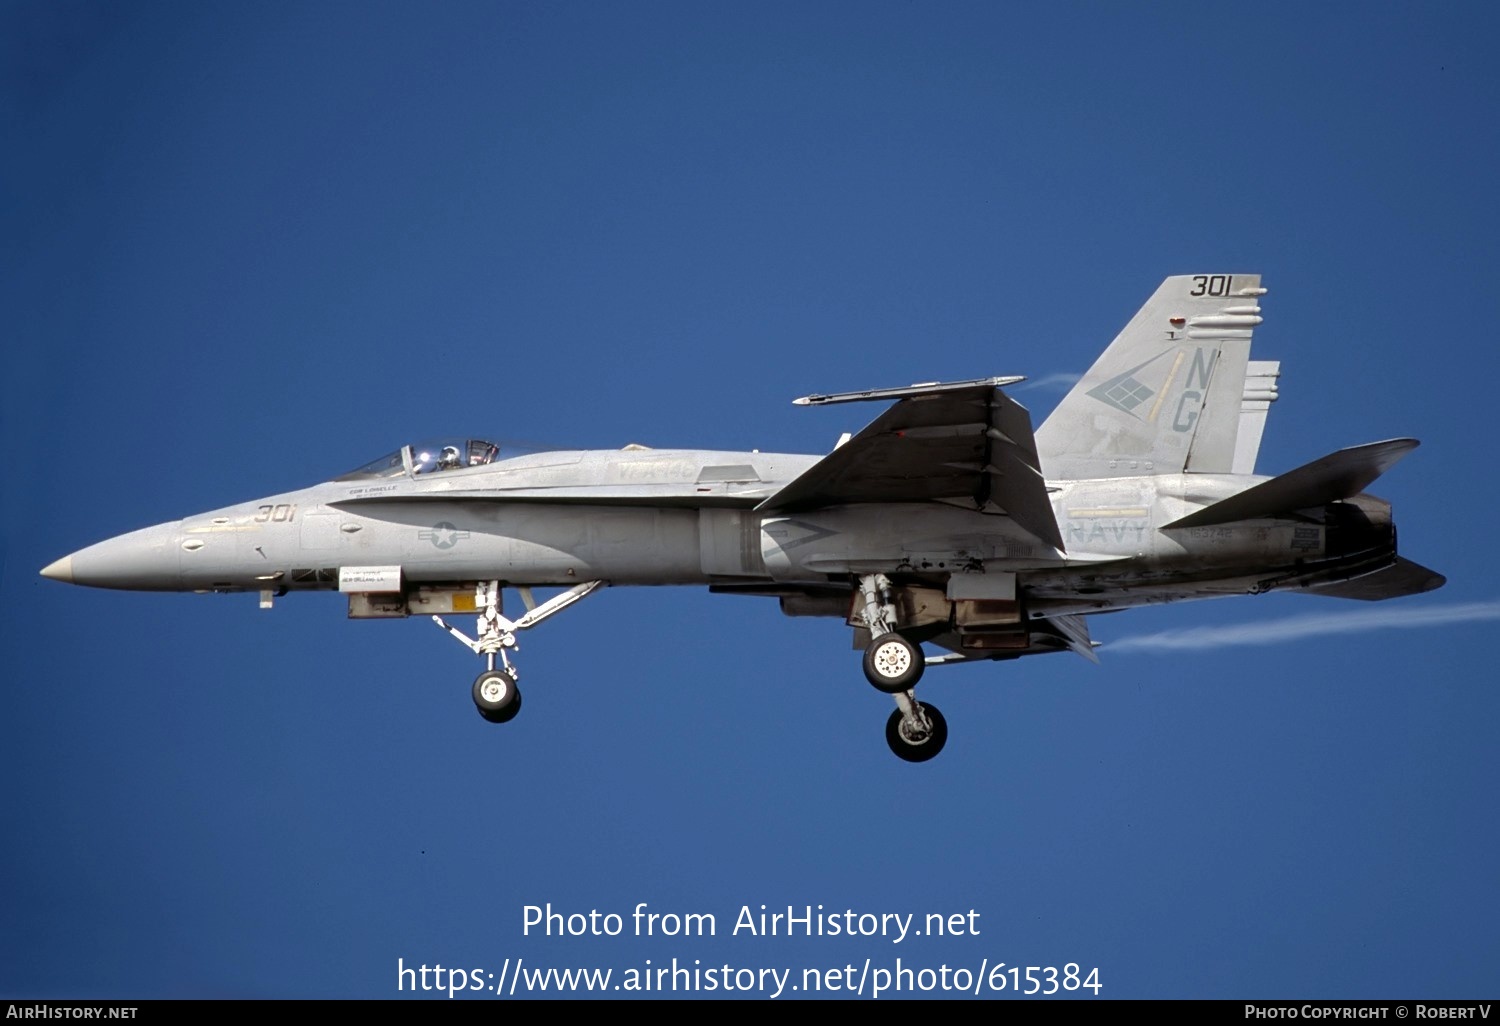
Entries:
{"x":911,"y":746}
{"x":496,"y":696}
{"x":893,"y":664}
{"x":504,"y":715}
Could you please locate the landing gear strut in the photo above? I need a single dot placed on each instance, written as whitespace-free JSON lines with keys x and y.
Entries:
{"x":495,"y":693}
{"x":894,"y":664}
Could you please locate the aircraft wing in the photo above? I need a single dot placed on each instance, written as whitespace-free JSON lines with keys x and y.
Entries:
{"x":968,"y":445}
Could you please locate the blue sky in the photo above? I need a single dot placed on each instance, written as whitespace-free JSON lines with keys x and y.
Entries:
{"x":248,"y":247}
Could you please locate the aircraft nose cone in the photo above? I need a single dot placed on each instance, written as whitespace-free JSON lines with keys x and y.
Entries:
{"x":60,"y":570}
{"x":144,"y":560}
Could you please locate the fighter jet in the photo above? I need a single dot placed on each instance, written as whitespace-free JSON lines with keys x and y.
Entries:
{"x":945,"y":531}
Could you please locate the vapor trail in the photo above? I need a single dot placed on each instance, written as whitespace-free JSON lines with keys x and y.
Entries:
{"x":1054,"y":381}
{"x":1293,"y":627}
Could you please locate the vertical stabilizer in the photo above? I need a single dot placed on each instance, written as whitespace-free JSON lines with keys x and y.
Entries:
{"x":1166,"y":396}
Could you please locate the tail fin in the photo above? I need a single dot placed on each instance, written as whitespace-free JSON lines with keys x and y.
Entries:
{"x":1260,"y":393}
{"x":1166,"y":396}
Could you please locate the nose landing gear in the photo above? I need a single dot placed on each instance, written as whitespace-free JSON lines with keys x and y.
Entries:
{"x":495,"y":693}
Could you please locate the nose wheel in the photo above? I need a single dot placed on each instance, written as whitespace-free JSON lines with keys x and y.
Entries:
{"x":495,"y":693}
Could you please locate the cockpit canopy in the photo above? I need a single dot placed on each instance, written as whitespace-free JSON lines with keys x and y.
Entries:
{"x":430,"y":456}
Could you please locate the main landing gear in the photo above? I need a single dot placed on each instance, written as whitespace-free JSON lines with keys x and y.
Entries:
{"x":496,"y":695}
{"x":915,"y":732}
{"x":893,"y":665}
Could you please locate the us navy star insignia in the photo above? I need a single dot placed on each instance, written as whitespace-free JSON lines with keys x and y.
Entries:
{"x":443,"y":535}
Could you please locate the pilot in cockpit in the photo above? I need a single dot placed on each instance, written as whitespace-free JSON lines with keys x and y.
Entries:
{"x":450,"y":459}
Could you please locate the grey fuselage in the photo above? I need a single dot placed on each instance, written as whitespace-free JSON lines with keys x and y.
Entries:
{"x":688,"y":517}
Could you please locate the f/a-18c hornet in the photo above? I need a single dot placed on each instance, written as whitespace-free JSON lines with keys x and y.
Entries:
{"x":946,"y":522}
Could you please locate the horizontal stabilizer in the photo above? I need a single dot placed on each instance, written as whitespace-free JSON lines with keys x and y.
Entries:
{"x":1402,"y":577}
{"x":1340,"y":475}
